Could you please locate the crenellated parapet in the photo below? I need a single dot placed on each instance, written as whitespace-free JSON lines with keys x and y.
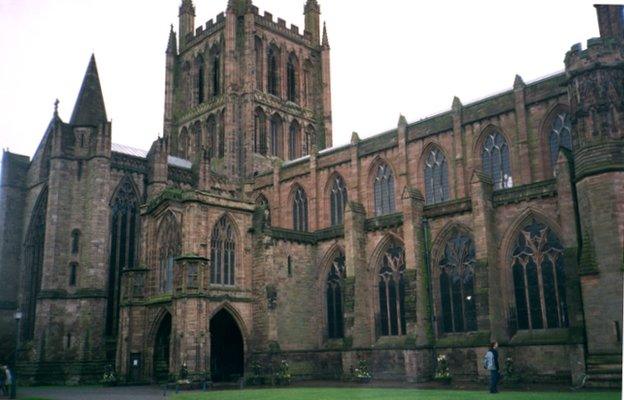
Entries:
{"x":596,"y":90}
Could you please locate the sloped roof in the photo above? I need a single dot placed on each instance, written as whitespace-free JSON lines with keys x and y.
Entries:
{"x":134,"y":152}
{"x":89,"y":109}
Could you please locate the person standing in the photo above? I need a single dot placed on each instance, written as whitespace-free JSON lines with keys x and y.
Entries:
{"x":3,"y":389}
{"x":491,"y":364}
{"x":8,"y":382}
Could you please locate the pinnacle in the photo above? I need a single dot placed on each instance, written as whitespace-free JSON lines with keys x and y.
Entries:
{"x":456,"y":103}
{"x":172,"y":47}
{"x":325,"y":38}
{"x":89,"y":109}
{"x":312,"y":5}
{"x":518,"y":82}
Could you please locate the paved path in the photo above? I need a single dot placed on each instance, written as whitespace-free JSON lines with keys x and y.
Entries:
{"x":94,"y":393}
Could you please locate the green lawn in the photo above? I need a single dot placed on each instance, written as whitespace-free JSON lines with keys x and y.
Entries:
{"x":389,"y":394}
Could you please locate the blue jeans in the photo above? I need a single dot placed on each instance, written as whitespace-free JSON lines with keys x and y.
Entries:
{"x":494,"y":376}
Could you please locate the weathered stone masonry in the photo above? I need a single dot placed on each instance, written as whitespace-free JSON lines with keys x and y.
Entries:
{"x":497,"y":220}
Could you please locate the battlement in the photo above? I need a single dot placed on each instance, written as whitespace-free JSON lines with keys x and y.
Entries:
{"x":213,"y":25}
{"x":603,"y":51}
{"x":266,"y":19}
{"x":279,"y":25}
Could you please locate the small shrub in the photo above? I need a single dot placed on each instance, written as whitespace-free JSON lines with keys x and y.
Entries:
{"x":282,"y":375}
{"x":362,"y":372}
{"x":109,"y":378}
{"x":510,"y":371}
{"x":443,"y":374}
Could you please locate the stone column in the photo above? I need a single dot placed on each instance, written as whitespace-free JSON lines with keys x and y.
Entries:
{"x":522,"y":159}
{"x":417,"y":307}
{"x":490,"y":310}
{"x":457,"y":162}
{"x":359,"y":323}
{"x":354,"y":182}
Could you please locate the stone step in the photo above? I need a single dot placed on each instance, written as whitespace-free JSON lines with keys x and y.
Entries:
{"x":604,"y":359}
{"x":604,"y":369}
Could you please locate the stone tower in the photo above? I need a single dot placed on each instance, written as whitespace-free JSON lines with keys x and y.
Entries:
{"x":595,"y":79}
{"x":247,"y":88}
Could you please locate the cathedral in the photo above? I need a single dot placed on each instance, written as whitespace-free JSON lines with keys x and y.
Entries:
{"x":243,"y":237}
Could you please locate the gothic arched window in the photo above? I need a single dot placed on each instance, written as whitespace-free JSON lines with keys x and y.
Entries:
{"x":457,"y":285}
{"x":259,"y":62}
{"x":75,"y":241}
{"x":334,"y":293}
{"x":196,"y":140}
{"x":294,"y":141}
{"x":170,"y":247}
{"x":216,"y":73}
{"x":291,"y":78}
{"x":73,"y":274}
{"x":211,"y":127}
{"x":436,"y":177}
{"x":384,"y":190}
{"x":33,"y":254}
{"x":221,"y":152}
{"x":300,"y":210}
{"x":560,"y":136}
{"x":276,"y":135}
{"x":338,"y":200}
{"x":183,"y":144}
{"x":260,"y":137}
{"x":187,"y":84}
{"x":272,"y":72}
{"x":200,"y":80}
{"x":123,"y":248}
{"x":496,"y":162}
{"x":223,"y":253}
{"x":539,"y":278}
{"x":308,"y":140}
{"x":392,"y":291}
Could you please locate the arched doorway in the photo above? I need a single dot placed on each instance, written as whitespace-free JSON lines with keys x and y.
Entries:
{"x":161,"y":350}
{"x":226,"y":348}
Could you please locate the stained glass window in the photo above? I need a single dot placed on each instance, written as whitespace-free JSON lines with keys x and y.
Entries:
{"x":338,"y":200}
{"x":300,"y":210}
{"x":539,"y":278}
{"x":436,"y":177}
{"x":496,"y":162}
{"x":334,"y":293}
{"x":169,"y":239}
{"x":123,"y":248}
{"x":391,"y":285}
{"x":457,"y":285}
{"x":272,"y":70}
{"x":291,"y":78}
{"x":560,"y":136}
{"x":223,"y":253}
{"x":260,"y":137}
{"x":384,"y":190}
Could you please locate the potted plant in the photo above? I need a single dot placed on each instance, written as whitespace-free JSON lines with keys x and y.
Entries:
{"x":443,"y":374}
{"x":109,"y":378}
{"x":362,"y":373}
{"x":510,"y":371}
{"x":282,"y":375}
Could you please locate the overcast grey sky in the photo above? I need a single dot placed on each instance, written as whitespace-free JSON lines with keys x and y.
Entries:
{"x":388,"y":57}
